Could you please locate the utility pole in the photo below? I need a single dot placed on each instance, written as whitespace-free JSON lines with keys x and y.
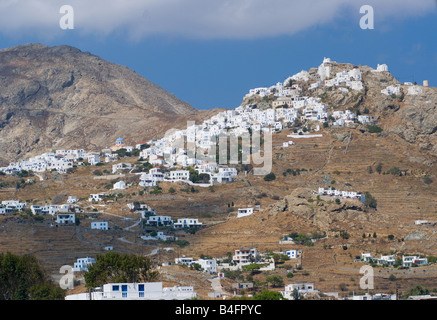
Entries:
{"x":301,"y":259}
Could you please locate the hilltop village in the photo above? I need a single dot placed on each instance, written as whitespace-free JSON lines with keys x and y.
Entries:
{"x":190,"y":157}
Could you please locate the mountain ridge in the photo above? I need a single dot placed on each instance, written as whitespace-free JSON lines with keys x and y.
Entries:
{"x":62,"y":97}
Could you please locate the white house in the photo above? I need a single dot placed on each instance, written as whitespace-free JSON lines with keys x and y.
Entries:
{"x":95,"y":197}
{"x":99,"y":225}
{"x":301,"y":288}
{"x":188,"y":261}
{"x":159,"y":221}
{"x":93,"y":159}
{"x":137,"y":291}
{"x":245,"y":255}
{"x":14,"y":204}
{"x":392,"y":90}
{"x":187,"y":223}
{"x":82,"y":264}
{"x":292,"y":254}
{"x":408,"y":261}
{"x":152,"y":178}
{"x":49,"y":209}
{"x":386,"y":260}
{"x":120,"y":185}
{"x":159,"y":236}
{"x":208,"y":265}
{"x":421,"y":222}
{"x":368,"y":257}
{"x":66,"y":218}
{"x":121,"y":166}
{"x":381,"y":68}
{"x":179,"y":175}
{"x":72,"y":199}
{"x":244,"y":212}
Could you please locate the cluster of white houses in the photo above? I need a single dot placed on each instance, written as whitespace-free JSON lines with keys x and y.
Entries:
{"x":180,"y":223}
{"x":341,"y":194}
{"x":195,"y":145}
{"x":390,"y":260}
{"x":9,"y":206}
{"x":216,"y":174}
{"x":181,"y":148}
{"x":206,"y":265}
{"x":60,"y":161}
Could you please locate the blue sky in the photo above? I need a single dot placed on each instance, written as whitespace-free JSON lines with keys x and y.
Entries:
{"x":213,"y":62}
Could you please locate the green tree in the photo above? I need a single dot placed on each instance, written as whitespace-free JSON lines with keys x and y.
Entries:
{"x":344,"y":234}
{"x":418,"y":291}
{"x":196,"y":266}
{"x":24,"y":278}
{"x":295,"y":294}
{"x":117,"y":267}
{"x":427,"y":180}
{"x":394,"y":171}
{"x":270,"y":177}
{"x":369,"y":200}
{"x":379,"y":168}
{"x":275,"y":280}
{"x":268,"y":295}
{"x":253,"y":268}
{"x":374,"y":129}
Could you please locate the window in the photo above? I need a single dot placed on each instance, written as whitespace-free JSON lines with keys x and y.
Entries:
{"x":141,"y":287}
{"x":124,"y":288}
{"x":141,"y":294}
{"x":115,"y":288}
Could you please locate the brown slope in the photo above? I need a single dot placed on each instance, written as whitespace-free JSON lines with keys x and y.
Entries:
{"x":61,"y":97}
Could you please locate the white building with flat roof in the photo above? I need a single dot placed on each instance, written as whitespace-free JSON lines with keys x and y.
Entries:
{"x":82,"y":264}
{"x":66,"y":218}
{"x":99,"y":225}
{"x":136,"y":291}
{"x":187,"y":223}
{"x":244,"y":212}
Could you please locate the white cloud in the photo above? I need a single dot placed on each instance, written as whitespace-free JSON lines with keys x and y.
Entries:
{"x":209,"y":19}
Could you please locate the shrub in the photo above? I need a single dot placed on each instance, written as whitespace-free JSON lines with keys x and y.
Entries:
{"x":374,"y":129}
{"x":379,"y":168}
{"x":344,"y":234}
{"x":268,"y":295}
{"x":427,"y":180}
{"x":97,"y":173}
{"x":394,"y":171}
{"x":369,"y":200}
{"x":270,"y":177}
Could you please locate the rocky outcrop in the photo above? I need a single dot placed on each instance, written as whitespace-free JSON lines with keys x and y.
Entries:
{"x":320,"y":212}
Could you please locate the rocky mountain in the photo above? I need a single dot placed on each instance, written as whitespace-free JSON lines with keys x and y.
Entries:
{"x":61,"y":97}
